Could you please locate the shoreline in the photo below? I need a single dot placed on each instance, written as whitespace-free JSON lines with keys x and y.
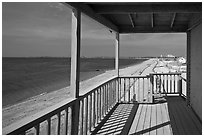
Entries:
{"x":16,"y":112}
{"x":31,"y":77}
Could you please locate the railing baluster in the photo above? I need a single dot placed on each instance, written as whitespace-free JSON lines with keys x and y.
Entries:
{"x":134,"y":94}
{"x":168,"y":80}
{"x":120,"y":89}
{"x":104,"y":100}
{"x":49,"y":126}
{"x":100,"y":102}
{"x":149,"y":90}
{"x":37,"y":129}
{"x":175,"y":83}
{"x":94,"y":111}
{"x":97,"y":106}
{"x":66,"y":121}
{"x":107,"y":97}
{"x":82,"y":116}
{"x":86,"y":115}
{"x":90,"y":112}
{"x":129,"y":90}
{"x":180,"y":86}
{"x":143,"y":89}
{"x":112,"y":94}
{"x":170,"y":83}
{"x":124,"y":88}
{"x":58,"y":123}
{"x":138,"y":89}
{"x":152,"y":77}
{"x":162,"y":84}
{"x":103,"y":107}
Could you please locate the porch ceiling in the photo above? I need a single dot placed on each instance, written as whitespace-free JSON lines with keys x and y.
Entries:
{"x":143,"y":17}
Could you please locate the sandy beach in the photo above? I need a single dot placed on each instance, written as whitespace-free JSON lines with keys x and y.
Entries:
{"x":19,"y":111}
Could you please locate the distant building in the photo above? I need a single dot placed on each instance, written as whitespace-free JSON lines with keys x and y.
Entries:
{"x":170,"y":56}
{"x":182,"y":60}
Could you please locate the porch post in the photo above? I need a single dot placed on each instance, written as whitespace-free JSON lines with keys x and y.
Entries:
{"x":188,"y":68}
{"x":75,"y":52}
{"x":75,"y":67}
{"x":117,"y":64}
{"x":117,"y":44}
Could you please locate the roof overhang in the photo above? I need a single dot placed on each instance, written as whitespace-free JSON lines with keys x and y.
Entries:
{"x":143,"y":17}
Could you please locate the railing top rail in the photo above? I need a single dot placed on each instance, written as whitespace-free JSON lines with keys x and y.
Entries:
{"x":183,"y":78}
{"x":93,"y":88}
{"x":165,"y":73}
{"x":31,"y":121}
{"x":134,"y":76}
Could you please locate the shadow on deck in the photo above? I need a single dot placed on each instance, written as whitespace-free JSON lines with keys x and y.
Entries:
{"x":168,"y":116}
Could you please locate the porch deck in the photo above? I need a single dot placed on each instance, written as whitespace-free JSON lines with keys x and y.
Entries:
{"x":168,"y":116}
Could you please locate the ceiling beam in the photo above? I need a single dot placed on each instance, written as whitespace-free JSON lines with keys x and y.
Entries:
{"x":152,"y":20}
{"x":121,"y":8}
{"x":155,"y":29}
{"x":195,"y":20}
{"x":89,"y":12}
{"x":173,"y":20}
{"x":131,"y":20}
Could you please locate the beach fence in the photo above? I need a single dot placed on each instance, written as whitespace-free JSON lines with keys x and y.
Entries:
{"x":82,"y":115}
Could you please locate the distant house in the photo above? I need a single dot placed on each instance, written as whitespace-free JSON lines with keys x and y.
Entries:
{"x":170,"y":56}
{"x":182,"y":60}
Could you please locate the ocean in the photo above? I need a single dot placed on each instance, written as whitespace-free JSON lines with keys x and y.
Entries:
{"x":23,"y":78}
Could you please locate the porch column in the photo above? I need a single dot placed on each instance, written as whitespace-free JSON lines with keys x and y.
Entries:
{"x":117,"y":44}
{"x":188,"y":68}
{"x":75,"y":67}
{"x":75,"y":52}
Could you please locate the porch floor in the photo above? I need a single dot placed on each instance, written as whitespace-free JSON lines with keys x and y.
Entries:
{"x":168,"y":116}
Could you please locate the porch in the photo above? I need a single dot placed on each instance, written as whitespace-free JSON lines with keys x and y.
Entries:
{"x":122,"y":105}
{"x":152,"y":104}
{"x":170,"y":116}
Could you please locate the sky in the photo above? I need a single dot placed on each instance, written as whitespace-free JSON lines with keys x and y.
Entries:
{"x":44,"y":29}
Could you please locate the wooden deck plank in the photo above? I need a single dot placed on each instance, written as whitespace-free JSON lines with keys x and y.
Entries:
{"x":124,"y":118}
{"x":175,"y":118}
{"x":153,"y":120}
{"x":147,"y":120}
{"x":181,"y":115}
{"x":189,"y":125}
{"x":141,"y":120}
{"x":159,"y":120}
{"x":125,"y":122}
{"x":173,"y":126}
{"x":136,"y":120}
{"x":167,"y":128}
{"x":171,"y":117}
{"x":119,"y":111}
{"x":192,"y":117}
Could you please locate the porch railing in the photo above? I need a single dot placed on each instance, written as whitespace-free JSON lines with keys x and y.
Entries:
{"x":89,"y":109}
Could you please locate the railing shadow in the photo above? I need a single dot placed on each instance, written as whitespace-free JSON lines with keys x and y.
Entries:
{"x":151,"y":128}
{"x":118,"y":121}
